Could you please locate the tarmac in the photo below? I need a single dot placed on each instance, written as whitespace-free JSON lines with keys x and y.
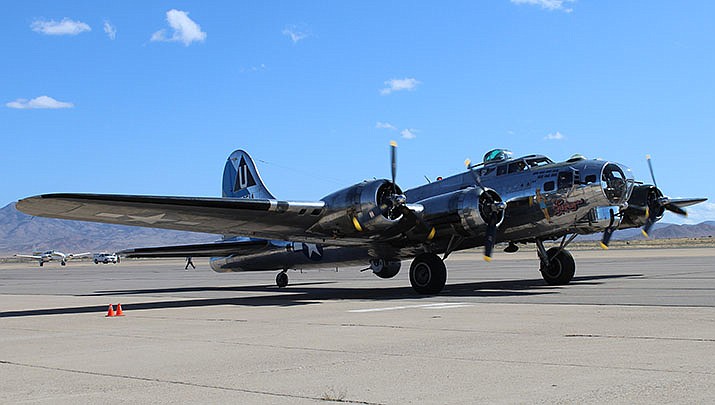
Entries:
{"x":635,"y":326}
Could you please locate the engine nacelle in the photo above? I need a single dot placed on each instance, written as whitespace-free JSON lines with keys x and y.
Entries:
{"x":361,"y":208}
{"x":642,"y":197}
{"x":385,"y":268}
{"x":467,"y":210}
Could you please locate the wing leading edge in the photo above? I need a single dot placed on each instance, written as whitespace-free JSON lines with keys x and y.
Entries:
{"x":257,"y":218}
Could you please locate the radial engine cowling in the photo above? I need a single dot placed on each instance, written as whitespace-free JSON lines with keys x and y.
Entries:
{"x":642,"y":197}
{"x":467,"y":211}
{"x":366,"y":207}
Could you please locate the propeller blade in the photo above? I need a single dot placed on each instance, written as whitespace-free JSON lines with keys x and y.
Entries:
{"x":609,"y":231}
{"x":393,"y":161}
{"x":650,"y":167}
{"x":477,"y":181}
{"x":489,"y":237}
{"x":652,"y":216}
{"x":646,"y":228}
{"x":606,"y":237}
{"x":675,"y":209}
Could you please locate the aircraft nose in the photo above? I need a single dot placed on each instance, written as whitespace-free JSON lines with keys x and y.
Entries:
{"x":617,"y":182}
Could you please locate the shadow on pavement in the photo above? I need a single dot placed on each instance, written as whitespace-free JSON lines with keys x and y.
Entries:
{"x":314,"y":293}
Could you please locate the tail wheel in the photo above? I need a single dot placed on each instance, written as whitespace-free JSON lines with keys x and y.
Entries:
{"x":282,"y":279}
{"x":428,"y":274}
{"x":560,"y":269}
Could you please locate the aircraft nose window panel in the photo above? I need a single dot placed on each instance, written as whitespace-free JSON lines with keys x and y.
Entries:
{"x":615,"y":183}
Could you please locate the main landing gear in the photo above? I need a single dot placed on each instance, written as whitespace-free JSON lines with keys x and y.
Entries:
{"x":428,"y":274}
{"x":282,"y":278}
{"x":557,"y":264}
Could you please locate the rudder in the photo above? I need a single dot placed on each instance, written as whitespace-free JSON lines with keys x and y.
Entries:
{"x":241,"y":178}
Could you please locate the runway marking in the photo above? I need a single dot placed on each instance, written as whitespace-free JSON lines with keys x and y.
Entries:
{"x":443,"y":305}
{"x":684,"y":339}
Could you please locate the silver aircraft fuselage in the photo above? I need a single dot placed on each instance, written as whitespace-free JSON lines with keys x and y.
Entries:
{"x":545,"y":200}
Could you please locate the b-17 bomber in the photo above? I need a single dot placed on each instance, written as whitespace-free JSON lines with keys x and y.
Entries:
{"x":503,"y":199}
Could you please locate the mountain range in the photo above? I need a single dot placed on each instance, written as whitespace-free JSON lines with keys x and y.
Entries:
{"x":21,"y":233}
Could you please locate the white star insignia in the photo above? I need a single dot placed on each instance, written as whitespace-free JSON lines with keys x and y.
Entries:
{"x":150,"y":220}
{"x":312,"y":248}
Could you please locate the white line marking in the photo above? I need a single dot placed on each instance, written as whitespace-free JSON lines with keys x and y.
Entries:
{"x":443,"y":305}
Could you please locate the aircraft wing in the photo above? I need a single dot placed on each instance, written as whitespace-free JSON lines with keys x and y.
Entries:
{"x":212,"y":249}
{"x":79,"y":255}
{"x":257,"y":218}
{"x":29,"y":256}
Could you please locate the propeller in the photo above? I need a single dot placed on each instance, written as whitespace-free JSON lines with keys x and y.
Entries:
{"x":491,"y":209}
{"x":608,"y":232}
{"x":394,"y":204}
{"x":656,"y":203}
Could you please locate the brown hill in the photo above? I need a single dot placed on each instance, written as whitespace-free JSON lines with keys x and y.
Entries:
{"x":20,"y":233}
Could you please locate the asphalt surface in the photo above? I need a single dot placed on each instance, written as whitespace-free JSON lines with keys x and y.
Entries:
{"x":635,"y":326}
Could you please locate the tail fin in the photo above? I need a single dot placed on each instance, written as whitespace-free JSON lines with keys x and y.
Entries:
{"x":241,"y":178}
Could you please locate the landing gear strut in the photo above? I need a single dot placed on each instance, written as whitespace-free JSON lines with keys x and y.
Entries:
{"x":428,"y":274}
{"x":557,"y":264}
{"x":282,"y":279}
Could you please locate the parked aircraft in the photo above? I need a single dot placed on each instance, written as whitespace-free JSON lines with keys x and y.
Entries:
{"x":530,"y":199}
{"x":47,"y":256}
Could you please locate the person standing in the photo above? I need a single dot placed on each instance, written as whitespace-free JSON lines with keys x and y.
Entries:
{"x":189,"y":262}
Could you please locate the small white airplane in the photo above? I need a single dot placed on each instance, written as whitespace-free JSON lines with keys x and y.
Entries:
{"x":47,"y":256}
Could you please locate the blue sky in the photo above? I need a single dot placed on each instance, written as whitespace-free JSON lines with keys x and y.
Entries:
{"x":151,"y":97}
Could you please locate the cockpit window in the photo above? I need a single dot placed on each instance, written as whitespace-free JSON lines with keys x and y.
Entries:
{"x":518,"y":166}
{"x":486,"y":171}
{"x":538,"y":161}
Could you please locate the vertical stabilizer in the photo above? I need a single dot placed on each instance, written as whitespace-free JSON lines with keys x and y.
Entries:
{"x":241,"y":178}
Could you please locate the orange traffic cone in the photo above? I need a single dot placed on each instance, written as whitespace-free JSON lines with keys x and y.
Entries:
{"x":119,"y":310}
{"x":110,"y":312}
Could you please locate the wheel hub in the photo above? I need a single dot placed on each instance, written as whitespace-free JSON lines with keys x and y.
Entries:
{"x":422,"y":274}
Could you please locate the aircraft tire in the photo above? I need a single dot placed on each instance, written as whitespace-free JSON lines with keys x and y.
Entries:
{"x":42,"y":264}
{"x":428,"y":274}
{"x":282,"y":279}
{"x":561,"y":267}
{"x":63,"y":263}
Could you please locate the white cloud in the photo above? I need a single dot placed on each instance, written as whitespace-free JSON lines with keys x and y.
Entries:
{"x":408,"y":133}
{"x":558,"y":136}
{"x":696,"y":214}
{"x":110,"y":30}
{"x":385,"y":125}
{"x":548,"y":4}
{"x":295,"y":33}
{"x":399,"y":84}
{"x":64,"y":27}
{"x":42,"y":102}
{"x":253,"y":69}
{"x":185,"y":30}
